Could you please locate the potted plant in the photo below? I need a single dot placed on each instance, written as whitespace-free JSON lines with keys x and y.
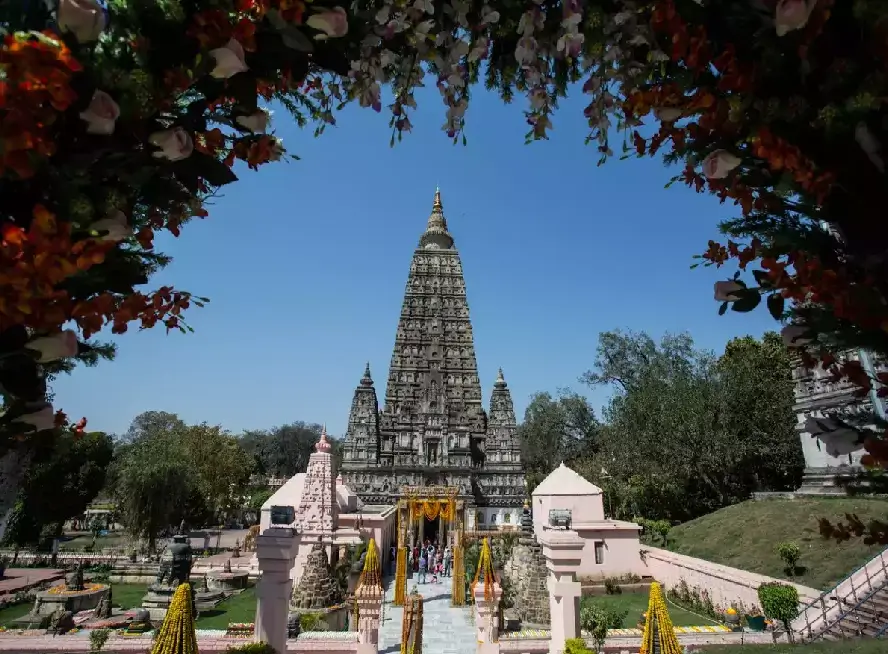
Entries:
{"x":755,"y":620}
{"x":732,"y":618}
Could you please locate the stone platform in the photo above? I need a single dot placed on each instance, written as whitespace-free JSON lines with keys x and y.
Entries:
{"x":18,"y":579}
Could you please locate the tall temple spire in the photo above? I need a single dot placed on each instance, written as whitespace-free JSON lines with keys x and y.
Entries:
{"x":436,"y":236}
{"x":433,"y":427}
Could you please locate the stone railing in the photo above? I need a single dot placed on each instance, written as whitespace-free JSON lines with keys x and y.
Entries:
{"x":64,"y":558}
{"x":725,"y":585}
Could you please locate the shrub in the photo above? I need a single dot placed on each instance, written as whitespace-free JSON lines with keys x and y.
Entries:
{"x":779,"y":602}
{"x":312,"y":622}
{"x":251,"y":648}
{"x":662,"y":529}
{"x":97,"y":639}
{"x":612,"y":586}
{"x":576,"y":646}
{"x":790,"y":553}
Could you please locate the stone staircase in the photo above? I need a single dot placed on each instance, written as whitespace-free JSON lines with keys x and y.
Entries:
{"x":857,"y":607}
{"x":868,"y":618}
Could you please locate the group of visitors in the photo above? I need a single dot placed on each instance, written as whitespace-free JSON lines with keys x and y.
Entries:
{"x":429,"y":560}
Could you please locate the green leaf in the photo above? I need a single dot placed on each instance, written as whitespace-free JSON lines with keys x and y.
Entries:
{"x":243,"y":88}
{"x":292,"y":37}
{"x":776,"y":303}
{"x":762,"y":278}
{"x":749,"y":300}
{"x":296,"y":40}
{"x":723,"y":308}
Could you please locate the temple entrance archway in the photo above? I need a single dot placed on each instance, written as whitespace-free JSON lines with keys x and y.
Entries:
{"x":417,"y":507}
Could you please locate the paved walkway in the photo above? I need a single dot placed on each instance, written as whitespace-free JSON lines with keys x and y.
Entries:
{"x":446,"y":629}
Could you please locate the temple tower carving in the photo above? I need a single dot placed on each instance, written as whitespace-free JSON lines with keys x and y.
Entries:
{"x":433,"y":428}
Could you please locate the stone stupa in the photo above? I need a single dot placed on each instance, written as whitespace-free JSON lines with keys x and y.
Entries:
{"x":317,"y":587}
{"x":526,"y":572}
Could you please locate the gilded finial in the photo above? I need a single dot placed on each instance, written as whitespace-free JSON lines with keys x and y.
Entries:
{"x":323,"y":445}
{"x":437,"y":204}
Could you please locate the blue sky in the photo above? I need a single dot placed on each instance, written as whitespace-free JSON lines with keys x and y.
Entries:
{"x":305,"y":264}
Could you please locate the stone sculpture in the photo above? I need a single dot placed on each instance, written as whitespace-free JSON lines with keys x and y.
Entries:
{"x":433,"y":392}
{"x":60,"y":622}
{"x":294,"y":626}
{"x":103,"y":610}
{"x":175,"y":563}
{"x":75,"y":579}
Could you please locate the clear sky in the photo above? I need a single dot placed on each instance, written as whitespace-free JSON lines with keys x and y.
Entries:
{"x":305,"y":263}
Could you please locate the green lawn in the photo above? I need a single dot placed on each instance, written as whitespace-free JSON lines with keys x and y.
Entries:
{"x":238,"y":608}
{"x":79,"y":543}
{"x":9,"y":614}
{"x":865,"y":646}
{"x":637,"y":603}
{"x":746,"y":536}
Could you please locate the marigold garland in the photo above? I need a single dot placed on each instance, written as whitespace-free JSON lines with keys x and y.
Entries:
{"x":176,"y":634}
{"x":659,"y":636}
{"x":484,"y":572}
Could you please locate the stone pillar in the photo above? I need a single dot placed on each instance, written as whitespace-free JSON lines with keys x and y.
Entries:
{"x":276,"y":552}
{"x":563,"y":550}
{"x":487,"y":618}
{"x":369,"y":601}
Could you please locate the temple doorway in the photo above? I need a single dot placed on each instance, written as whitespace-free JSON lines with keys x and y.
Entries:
{"x":430,"y":530}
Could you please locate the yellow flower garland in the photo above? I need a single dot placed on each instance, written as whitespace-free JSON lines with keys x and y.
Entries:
{"x":658,"y":625}
{"x":371,"y":574}
{"x":430,"y":509}
{"x":484,"y":572}
{"x":177,"y":632}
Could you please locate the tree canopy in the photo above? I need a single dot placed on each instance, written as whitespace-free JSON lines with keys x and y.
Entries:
{"x":166,"y":472}
{"x":119,"y":119}
{"x":685,"y":432}
{"x":64,"y":478}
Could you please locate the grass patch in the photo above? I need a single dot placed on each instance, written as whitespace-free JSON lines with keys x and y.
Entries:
{"x":128,"y":596}
{"x":746,"y":536}
{"x":863,"y":646}
{"x":637,"y":603}
{"x":11,"y":613}
{"x":237,"y":608}
{"x":80,"y":543}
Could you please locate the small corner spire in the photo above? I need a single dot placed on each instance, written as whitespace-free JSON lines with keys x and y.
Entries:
{"x":500,"y":379}
{"x":323,"y":445}
{"x":367,"y":379}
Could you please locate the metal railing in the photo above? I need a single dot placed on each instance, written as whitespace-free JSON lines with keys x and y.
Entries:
{"x":855,"y":612}
{"x":817,"y":613}
{"x":826,"y":623}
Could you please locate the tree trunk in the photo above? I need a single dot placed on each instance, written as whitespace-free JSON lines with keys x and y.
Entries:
{"x":13,"y":466}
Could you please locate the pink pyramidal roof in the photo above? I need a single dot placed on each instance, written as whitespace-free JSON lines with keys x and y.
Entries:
{"x":564,"y":481}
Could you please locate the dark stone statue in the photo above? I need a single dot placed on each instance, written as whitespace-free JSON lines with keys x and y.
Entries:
{"x":103,"y":610}
{"x":175,"y":562}
{"x":60,"y":622}
{"x":75,"y":579}
{"x":294,"y":627}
